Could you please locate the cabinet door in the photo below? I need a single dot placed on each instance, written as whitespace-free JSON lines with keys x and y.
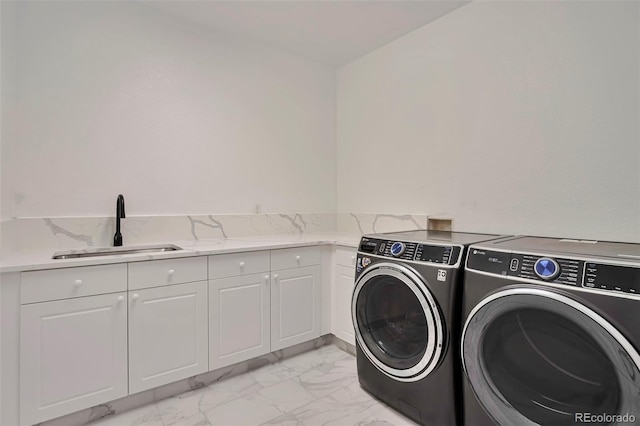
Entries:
{"x":239,"y":321}
{"x":73,"y":355}
{"x":343,"y":290}
{"x":168,"y":337}
{"x":295,"y":306}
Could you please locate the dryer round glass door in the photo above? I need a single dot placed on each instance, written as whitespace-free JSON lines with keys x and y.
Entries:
{"x":397,"y":322}
{"x":536,"y":357}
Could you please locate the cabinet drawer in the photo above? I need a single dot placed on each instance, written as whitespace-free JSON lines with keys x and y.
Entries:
{"x":53,"y":284}
{"x":231,"y":265}
{"x":156,"y":273}
{"x":346,"y":256}
{"x":295,"y":257}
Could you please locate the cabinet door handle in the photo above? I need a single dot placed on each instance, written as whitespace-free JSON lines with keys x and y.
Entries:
{"x":171,"y":272}
{"x":77,"y":282}
{"x":297,"y":257}
{"x":266,"y":277}
{"x":275,"y":276}
{"x":135,"y":296}
{"x":120,"y":299}
{"x":242,"y":264}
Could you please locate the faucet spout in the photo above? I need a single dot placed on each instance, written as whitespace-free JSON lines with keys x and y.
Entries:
{"x":117,"y":238}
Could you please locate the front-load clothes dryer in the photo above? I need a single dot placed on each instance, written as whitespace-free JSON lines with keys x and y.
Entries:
{"x":551,"y":333}
{"x":405,"y":311}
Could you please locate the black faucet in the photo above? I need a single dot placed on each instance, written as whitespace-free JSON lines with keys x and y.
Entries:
{"x":117,"y":238}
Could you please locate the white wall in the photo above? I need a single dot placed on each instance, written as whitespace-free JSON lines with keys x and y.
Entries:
{"x":114,"y":97}
{"x":8,"y":77}
{"x":507,"y":116}
{"x":513,"y":117}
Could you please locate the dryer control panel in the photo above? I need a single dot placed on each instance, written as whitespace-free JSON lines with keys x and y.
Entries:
{"x":410,"y":250}
{"x":557,"y":270}
{"x":542,"y":268}
{"x":612,"y":277}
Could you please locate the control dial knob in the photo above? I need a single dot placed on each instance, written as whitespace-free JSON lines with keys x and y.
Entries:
{"x":397,"y":248}
{"x":546,"y":268}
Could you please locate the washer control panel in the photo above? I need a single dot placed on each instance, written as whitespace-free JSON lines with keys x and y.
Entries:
{"x":436,"y":254}
{"x":407,"y":250}
{"x":556,"y":270}
{"x":397,"y":249}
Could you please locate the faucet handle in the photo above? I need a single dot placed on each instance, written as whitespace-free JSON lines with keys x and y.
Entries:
{"x":121,"y":206}
{"x":117,"y":238}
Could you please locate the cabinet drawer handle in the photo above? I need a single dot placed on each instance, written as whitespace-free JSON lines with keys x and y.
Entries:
{"x":266,"y":277}
{"x":275,"y":276}
{"x":120,"y":298}
{"x":297,"y":257}
{"x":242,"y":264}
{"x":78,"y":282}
{"x":135,"y":296}
{"x":171,"y":272}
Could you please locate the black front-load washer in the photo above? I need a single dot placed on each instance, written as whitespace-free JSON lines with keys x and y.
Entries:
{"x":405,"y":312}
{"x":551,"y":333}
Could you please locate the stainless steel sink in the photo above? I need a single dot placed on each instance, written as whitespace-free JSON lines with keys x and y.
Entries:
{"x":114,"y":251}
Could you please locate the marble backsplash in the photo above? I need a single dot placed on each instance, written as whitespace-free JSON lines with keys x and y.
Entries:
{"x":64,"y":233}
{"x":368,"y":223}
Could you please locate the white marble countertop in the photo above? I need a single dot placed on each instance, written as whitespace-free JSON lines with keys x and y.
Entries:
{"x":41,"y":259}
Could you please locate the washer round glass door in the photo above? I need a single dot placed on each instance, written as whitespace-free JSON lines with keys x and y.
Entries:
{"x":536,"y":357}
{"x":397,"y":322}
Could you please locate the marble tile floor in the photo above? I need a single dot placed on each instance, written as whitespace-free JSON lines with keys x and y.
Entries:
{"x":319,"y":387}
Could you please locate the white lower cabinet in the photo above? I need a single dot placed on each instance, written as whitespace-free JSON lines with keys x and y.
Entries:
{"x":162,"y":321}
{"x":168,"y":336}
{"x":342,"y":326}
{"x":73,"y":355}
{"x":342,"y":291}
{"x":295,"y":306}
{"x":239,"y":319}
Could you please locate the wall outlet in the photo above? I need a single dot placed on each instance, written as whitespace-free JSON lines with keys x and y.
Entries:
{"x":440,"y":224}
